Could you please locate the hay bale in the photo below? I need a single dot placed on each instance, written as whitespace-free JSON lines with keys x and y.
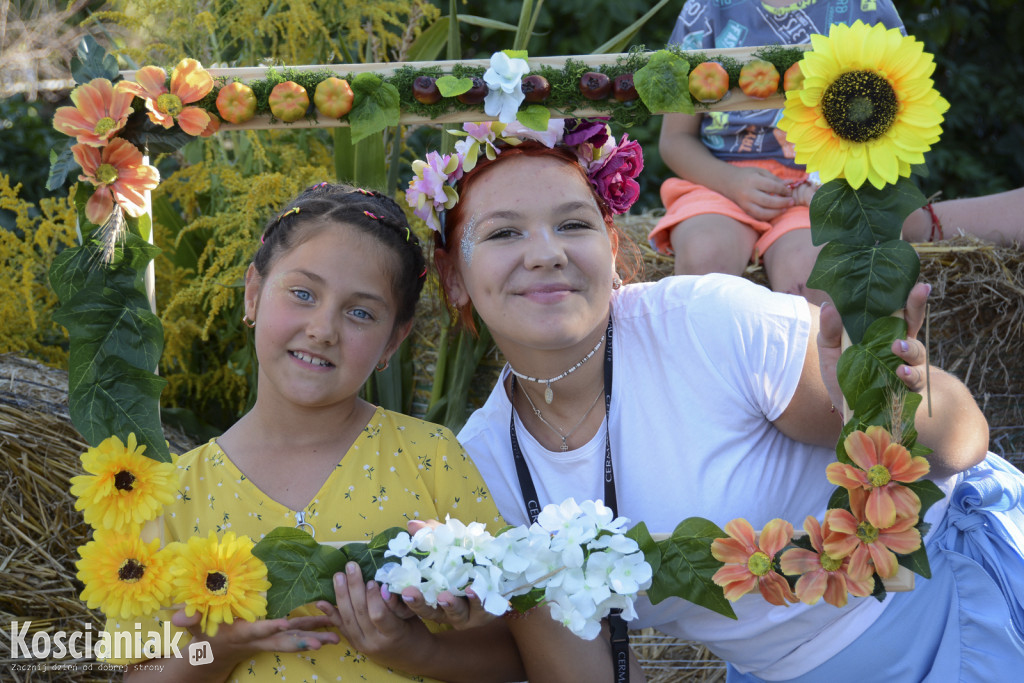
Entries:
{"x":40,"y":530}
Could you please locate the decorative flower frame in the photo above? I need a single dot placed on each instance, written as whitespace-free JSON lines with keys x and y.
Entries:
{"x":871,"y":534}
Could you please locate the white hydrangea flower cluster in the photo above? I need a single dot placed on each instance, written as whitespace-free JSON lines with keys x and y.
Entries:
{"x":576,"y":558}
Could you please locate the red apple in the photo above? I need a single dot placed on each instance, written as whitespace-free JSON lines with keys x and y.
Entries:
{"x":289,"y":101}
{"x":759,"y":79}
{"x":793,"y":79}
{"x":236,"y":103}
{"x":623,"y":89}
{"x":424,"y":90}
{"x":595,"y":85}
{"x":536,"y":88}
{"x":476,"y":94}
{"x":709,"y":81}
{"x":333,"y":97}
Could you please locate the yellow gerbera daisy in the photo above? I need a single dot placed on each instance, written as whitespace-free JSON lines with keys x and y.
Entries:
{"x":867,"y":109}
{"x":123,"y":575}
{"x":124,"y":488}
{"x":222,"y":580}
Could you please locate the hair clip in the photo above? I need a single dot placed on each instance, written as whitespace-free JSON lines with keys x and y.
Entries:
{"x":371,"y":215}
{"x":317,"y":186}
{"x":261,"y":238}
{"x":424,"y":273}
{"x":287,"y":213}
{"x":408,"y":234}
{"x":366,"y":192}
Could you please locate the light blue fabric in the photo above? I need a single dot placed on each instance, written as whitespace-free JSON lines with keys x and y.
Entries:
{"x":966,"y":623}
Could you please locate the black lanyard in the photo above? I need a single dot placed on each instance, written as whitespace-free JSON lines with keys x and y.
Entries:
{"x":619,"y":636}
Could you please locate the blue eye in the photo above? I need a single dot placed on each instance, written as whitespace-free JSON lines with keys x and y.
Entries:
{"x":362,"y":314}
{"x":302,"y":295}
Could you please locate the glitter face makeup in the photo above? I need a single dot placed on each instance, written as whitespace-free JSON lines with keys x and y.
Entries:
{"x":469,"y":240}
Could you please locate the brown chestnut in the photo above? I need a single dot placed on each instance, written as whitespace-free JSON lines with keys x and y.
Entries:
{"x":623,"y":89}
{"x":476,"y":94}
{"x":424,"y":90}
{"x":536,"y":88}
{"x":595,"y":85}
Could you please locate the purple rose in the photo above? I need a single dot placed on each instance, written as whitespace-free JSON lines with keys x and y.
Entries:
{"x":614,"y":179}
{"x":594,"y":131}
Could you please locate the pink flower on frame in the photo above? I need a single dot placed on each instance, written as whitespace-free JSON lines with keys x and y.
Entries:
{"x":880,"y":467}
{"x":101,"y":110}
{"x":851,"y":533}
{"x":189,"y":83}
{"x":823,"y":575}
{"x":748,"y":560}
{"x":119,"y":174}
{"x":614,"y":178}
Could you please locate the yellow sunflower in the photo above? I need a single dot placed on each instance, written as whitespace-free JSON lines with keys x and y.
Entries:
{"x":123,"y":575}
{"x":867,"y":110}
{"x":222,"y":580}
{"x":124,"y":488}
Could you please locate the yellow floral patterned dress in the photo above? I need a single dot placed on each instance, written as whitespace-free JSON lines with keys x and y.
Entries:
{"x":398,"y":469}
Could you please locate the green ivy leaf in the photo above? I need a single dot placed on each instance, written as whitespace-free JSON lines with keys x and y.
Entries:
{"x":62,"y":164}
{"x":376,"y":106}
{"x":122,"y":399}
{"x":928,"y":492}
{"x":663,"y":83}
{"x":151,"y":138}
{"x":450,"y":86}
{"x":687,"y":567}
{"x":871,"y":364}
{"x":649,"y":547}
{"x":93,"y":62}
{"x":534,"y":117}
{"x":865,"y":282}
{"x":916,"y":562}
{"x":300,"y":570}
{"x":370,"y":556}
{"x":864,"y":216}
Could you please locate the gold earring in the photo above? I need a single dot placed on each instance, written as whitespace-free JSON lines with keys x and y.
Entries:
{"x":247,"y":322}
{"x":383,"y":365}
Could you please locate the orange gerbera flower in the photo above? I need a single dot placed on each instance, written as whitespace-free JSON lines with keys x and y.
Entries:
{"x":119,"y":174}
{"x":821,"y":574}
{"x":881,"y":466}
{"x":749,"y":560}
{"x":850,"y":533}
{"x":189,"y":83}
{"x":101,"y":109}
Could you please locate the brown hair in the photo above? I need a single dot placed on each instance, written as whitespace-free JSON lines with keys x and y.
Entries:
{"x":628,"y":260}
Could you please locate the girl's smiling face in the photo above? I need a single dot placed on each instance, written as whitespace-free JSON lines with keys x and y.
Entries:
{"x":325,"y":316}
{"x":534,"y":257}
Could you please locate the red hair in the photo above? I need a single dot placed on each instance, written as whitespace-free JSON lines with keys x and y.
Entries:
{"x":628,"y":261}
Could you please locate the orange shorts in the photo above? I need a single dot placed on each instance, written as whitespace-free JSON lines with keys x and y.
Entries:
{"x":683,"y":200}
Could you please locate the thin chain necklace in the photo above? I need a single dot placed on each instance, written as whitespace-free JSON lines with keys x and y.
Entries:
{"x":564,"y":437}
{"x":549,"y":395}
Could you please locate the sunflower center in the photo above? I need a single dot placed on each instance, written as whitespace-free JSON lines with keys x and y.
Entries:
{"x":130,"y":571}
{"x":879,"y":475}
{"x":759,"y":564}
{"x":866,"y":532}
{"x":106,"y":174}
{"x":104,"y":126}
{"x":217,"y":583}
{"x":829,"y":563}
{"x":169,"y":103}
{"x":124,"y":480}
{"x":859,"y":106}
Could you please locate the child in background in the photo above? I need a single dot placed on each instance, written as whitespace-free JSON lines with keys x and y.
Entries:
{"x":733,"y":201}
{"x":330,"y":295}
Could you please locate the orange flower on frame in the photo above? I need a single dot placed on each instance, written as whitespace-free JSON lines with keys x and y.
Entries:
{"x":748,"y":560}
{"x":823,"y":575}
{"x":101,"y":109}
{"x":119,"y":174}
{"x":850,"y":533}
{"x":881,"y":467}
{"x":189,"y":83}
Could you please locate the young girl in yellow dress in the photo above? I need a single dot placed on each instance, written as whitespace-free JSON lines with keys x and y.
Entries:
{"x":330,"y":296}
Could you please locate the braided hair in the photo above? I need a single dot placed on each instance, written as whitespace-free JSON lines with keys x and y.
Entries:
{"x":372,"y":213}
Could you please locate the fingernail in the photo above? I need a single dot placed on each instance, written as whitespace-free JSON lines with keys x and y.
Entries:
{"x":384,"y":592}
{"x":444,"y":603}
{"x":906,"y":371}
{"x":928,"y":289}
{"x":904,"y":346}
{"x":407,"y":598}
{"x":339,"y":579}
{"x":351,"y":567}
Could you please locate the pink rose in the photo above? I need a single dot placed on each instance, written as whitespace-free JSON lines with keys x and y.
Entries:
{"x":614,"y":179}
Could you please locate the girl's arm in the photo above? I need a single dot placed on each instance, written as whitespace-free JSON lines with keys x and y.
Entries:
{"x":233,"y":644}
{"x":759,"y":193}
{"x":956,"y":430}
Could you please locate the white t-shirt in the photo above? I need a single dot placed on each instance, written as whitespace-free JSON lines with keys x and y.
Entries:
{"x":702,"y":365}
